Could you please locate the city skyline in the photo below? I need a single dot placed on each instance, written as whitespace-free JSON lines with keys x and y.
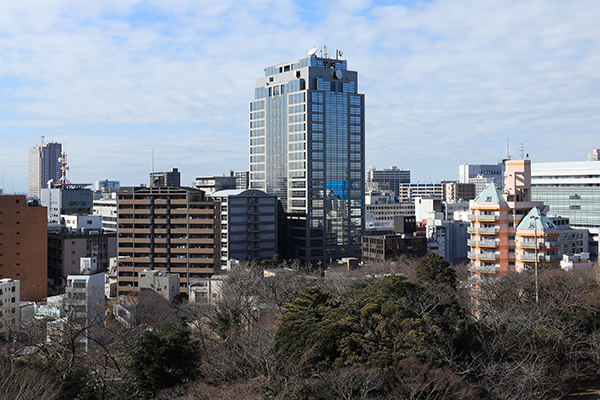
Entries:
{"x":446,"y":82}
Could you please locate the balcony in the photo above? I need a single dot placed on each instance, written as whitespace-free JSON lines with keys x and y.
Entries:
{"x":486,"y":269}
{"x":527,"y":244}
{"x":553,"y":243}
{"x":487,"y":255}
{"x":484,"y":243}
{"x":488,"y":217}
{"x":541,"y":257}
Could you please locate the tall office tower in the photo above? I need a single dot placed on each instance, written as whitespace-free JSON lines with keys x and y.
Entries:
{"x":393,"y":176}
{"x":307,"y":146}
{"x":170,"y":229}
{"x":43,"y":166}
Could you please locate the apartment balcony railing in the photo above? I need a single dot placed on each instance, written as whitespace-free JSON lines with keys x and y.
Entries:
{"x":488,"y":230}
{"x":486,"y":269}
{"x":531,"y":257}
{"x":488,"y":217}
{"x":484,"y":242}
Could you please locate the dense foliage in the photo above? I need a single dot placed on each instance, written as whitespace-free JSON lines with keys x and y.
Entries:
{"x":161,"y":359}
{"x":404,"y":330}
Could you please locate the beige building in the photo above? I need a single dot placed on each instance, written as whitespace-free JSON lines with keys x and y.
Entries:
{"x":172,"y":229}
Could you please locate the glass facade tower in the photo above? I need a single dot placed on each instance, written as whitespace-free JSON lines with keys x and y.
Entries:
{"x":307,"y":146}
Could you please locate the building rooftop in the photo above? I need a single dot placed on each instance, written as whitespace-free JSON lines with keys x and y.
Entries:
{"x":491,"y":194}
{"x":237,"y":192}
{"x":535,"y":219}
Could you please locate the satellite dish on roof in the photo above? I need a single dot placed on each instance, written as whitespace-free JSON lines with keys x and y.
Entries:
{"x":312,"y":52}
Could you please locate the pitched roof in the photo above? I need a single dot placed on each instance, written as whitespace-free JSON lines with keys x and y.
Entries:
{"x":491,"y":194}
{"x":535,"y":219}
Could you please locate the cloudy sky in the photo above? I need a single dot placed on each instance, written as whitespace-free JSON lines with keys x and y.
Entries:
{"x":446,"y":81}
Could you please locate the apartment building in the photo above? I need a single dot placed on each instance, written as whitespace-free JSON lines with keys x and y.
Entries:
{"x":506,"y":226}
{"x":174,"y":229}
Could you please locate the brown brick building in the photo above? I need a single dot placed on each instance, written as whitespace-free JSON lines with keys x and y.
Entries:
{"x":173,"y":229}
{"x":24,"y":245}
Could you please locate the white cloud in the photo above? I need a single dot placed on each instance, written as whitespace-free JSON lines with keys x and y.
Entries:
{"x":446,"y":81}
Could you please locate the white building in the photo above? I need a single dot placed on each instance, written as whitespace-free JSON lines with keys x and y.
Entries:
{"x":82,"y":223}
{"x":10,"y":291}
{"x":85,"y":304}
{"x":577,"y":261}
{"x":106,"y":208}
{"x":209,"y":289}
{"x":163,"y":283}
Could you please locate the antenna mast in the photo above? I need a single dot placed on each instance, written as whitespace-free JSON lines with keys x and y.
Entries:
{"x":62,"y":160}
{"x":522,"y":152}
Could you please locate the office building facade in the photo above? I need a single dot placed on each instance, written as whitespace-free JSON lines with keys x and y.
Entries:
{"x":393,"y":176}
{"x":491,"y":173}
{"x":71,"y":199}
{"x":307,"y":132}
{"x":43,"y":166}
{"x":570,"y":190}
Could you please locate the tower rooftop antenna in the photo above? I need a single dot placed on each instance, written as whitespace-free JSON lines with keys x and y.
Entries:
{"x":62,"y":160}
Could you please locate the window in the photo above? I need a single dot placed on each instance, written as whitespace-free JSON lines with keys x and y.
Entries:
{"x":79,"y":283}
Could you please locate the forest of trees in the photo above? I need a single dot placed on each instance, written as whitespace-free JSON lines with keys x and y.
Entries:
{"x":399,"y":331}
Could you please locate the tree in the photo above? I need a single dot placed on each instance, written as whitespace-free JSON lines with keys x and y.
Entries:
{"x":383,"y":324}
{"x":434,"y":269}
{"x":413,"y":380}
{"x":161,"y":359}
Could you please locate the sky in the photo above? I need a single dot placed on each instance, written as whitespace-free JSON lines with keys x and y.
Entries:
{"x":446,"y":82}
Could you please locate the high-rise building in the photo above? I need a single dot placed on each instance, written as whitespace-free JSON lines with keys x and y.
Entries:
{"x":168,"y":229}
{"x":393,"y":176}
{"x":169,"y":178}
{"x":43,"y":166}
{"x":307,"y":132}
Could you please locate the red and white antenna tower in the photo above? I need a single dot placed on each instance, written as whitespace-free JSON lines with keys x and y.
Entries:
{"x":62,"y":160}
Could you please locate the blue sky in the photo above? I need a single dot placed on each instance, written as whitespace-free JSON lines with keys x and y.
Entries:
{"x":446,"y":81}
